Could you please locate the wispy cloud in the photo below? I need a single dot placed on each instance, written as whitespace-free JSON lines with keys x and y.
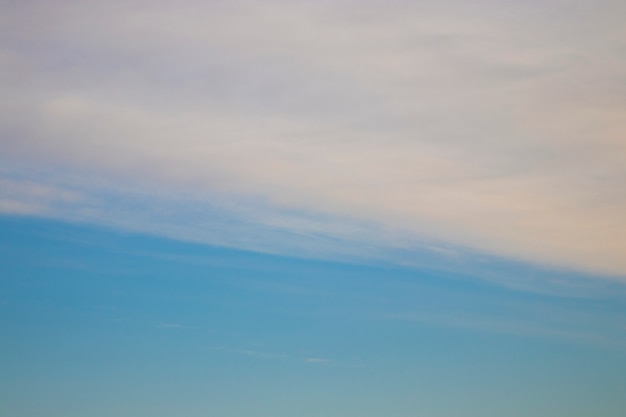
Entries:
{"x":24,"y":197}
{"x":317,"y":360}
{"x":170,"y":326}
{"x":273,"y":356}
{"x":603,"y":332}
{"x":262,"y":355}
{"x":326,"y":126}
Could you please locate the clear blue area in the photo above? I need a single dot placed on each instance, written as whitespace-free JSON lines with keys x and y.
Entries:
{"x":100,"y":323}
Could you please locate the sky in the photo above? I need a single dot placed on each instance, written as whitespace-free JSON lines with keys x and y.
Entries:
{"x":302,"y":208}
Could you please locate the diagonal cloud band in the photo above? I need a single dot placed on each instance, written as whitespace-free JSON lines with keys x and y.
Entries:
{"x":497,"y":128}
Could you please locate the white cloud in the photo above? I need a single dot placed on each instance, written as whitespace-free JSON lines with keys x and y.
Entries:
{"x":497,"y":127}
{"x":23,"y":197}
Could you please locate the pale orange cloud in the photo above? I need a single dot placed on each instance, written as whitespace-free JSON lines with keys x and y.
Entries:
{"x":493,"y":128}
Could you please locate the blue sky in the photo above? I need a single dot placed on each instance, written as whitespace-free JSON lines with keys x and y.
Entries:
{"x":102,"y":323}
{"x":289,"y":207}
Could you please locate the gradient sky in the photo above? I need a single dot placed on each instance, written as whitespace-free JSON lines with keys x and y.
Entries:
{"x":305,"y":208}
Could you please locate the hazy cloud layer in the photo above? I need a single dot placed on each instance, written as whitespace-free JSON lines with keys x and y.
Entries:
{"x":496,"y":126}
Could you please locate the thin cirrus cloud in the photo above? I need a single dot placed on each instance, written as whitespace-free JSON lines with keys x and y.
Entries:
{"x":498,"y":128}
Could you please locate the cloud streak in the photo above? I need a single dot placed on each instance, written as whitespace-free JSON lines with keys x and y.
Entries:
{"x":496,"y":129}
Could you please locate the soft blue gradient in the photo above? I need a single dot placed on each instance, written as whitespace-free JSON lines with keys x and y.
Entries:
{"x":97,"y":322}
